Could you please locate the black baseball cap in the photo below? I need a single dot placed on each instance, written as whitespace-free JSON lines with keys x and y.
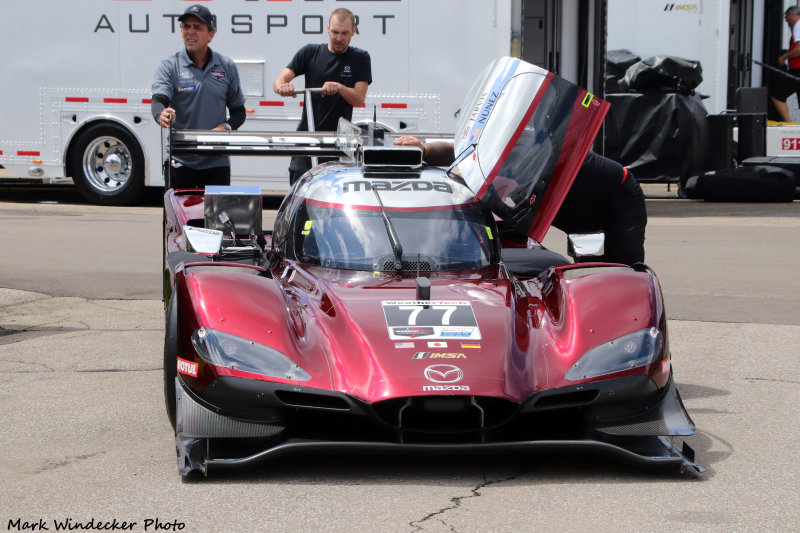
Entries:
{"x":200,"y":12}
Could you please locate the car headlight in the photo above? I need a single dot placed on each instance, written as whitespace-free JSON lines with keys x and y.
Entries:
{"x":223,"y":349}
{"x":624,"y":353}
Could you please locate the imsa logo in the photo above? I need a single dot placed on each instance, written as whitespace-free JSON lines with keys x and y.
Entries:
{"x":439,"y":355}
{"x":689,"y":8}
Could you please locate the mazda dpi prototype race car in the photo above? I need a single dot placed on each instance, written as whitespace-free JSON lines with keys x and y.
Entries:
{"x":385,"y":312}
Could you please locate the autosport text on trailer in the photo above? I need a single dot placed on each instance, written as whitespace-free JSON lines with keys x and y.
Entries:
{"x":76,"y":102}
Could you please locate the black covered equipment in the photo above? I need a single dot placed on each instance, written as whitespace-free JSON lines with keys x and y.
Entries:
{"x":760,"y":183}
{"x":663,"y":74}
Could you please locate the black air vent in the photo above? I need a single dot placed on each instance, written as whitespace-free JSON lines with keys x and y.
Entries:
{"x":304,"y":399}
{"x":445,"y":414}
{"x":567,"y":399}
{"x":408,"y":266}
{"x":395,"y":156}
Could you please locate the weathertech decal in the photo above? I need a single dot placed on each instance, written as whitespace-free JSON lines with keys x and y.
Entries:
{"x":187,"y":367}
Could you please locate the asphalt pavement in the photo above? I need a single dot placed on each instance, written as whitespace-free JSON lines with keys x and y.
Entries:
{"x":85,"y":436}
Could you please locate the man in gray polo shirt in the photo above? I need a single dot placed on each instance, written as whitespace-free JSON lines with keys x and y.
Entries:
{"x":192,"y":89}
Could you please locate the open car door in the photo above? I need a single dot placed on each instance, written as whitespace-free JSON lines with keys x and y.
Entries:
{"x":522,"y":136}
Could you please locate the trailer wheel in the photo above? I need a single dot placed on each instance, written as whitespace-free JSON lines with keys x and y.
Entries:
{"x":107,"y":165}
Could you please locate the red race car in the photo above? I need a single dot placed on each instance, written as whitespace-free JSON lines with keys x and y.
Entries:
{"x":388,"y":311}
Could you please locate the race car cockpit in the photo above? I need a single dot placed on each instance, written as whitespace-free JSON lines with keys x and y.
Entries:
{"x":353,"y":239}
{"x":340,"y":220}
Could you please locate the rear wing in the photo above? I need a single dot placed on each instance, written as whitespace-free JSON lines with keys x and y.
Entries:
{"x":363,"y":146}
{"x":254,"y":143}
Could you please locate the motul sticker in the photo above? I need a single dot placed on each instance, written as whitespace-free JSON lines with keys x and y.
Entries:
{"x":187,"y":367}
{"x":665,"y":366}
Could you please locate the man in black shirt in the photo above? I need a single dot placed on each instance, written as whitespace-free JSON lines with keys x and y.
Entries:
{"x":342,"y":71}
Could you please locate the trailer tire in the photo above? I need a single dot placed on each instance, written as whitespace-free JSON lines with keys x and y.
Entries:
{"x":106,"y":164}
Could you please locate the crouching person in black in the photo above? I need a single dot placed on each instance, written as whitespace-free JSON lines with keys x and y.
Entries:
{"x":605,"y":197}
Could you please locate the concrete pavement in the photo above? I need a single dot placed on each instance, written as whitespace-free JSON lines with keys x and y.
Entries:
{"x":85,"y":435}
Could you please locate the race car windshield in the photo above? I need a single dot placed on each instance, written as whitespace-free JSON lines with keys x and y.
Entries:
{"x":433,"y":240}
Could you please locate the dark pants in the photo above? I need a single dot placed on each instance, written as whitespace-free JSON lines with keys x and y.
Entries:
{"x":601,"y":200}
{"x":784,"y":86}
{"x":189,"y":178}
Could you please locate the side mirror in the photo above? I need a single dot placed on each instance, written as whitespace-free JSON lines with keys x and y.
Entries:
{"x":586,"y":244}
{"x":202,"y":240}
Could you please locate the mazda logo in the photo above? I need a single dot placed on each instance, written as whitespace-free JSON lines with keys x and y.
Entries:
{"x":444,"y":374}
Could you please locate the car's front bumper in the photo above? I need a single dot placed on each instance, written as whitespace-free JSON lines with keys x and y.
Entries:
{"x":280,"y":423}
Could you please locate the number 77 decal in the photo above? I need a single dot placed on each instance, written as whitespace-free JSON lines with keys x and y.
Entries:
{"x":417,"y":309}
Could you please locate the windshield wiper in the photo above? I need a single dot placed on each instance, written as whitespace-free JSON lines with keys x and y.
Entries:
{"x":397,"y":248}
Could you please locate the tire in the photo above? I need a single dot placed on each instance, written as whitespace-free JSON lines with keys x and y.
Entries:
{"x":171,"y":359}
{"x":106,"y":164}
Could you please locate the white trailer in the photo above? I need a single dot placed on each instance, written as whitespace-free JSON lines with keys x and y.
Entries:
{"x":76,"y":94}
{"x":691,"y":30}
